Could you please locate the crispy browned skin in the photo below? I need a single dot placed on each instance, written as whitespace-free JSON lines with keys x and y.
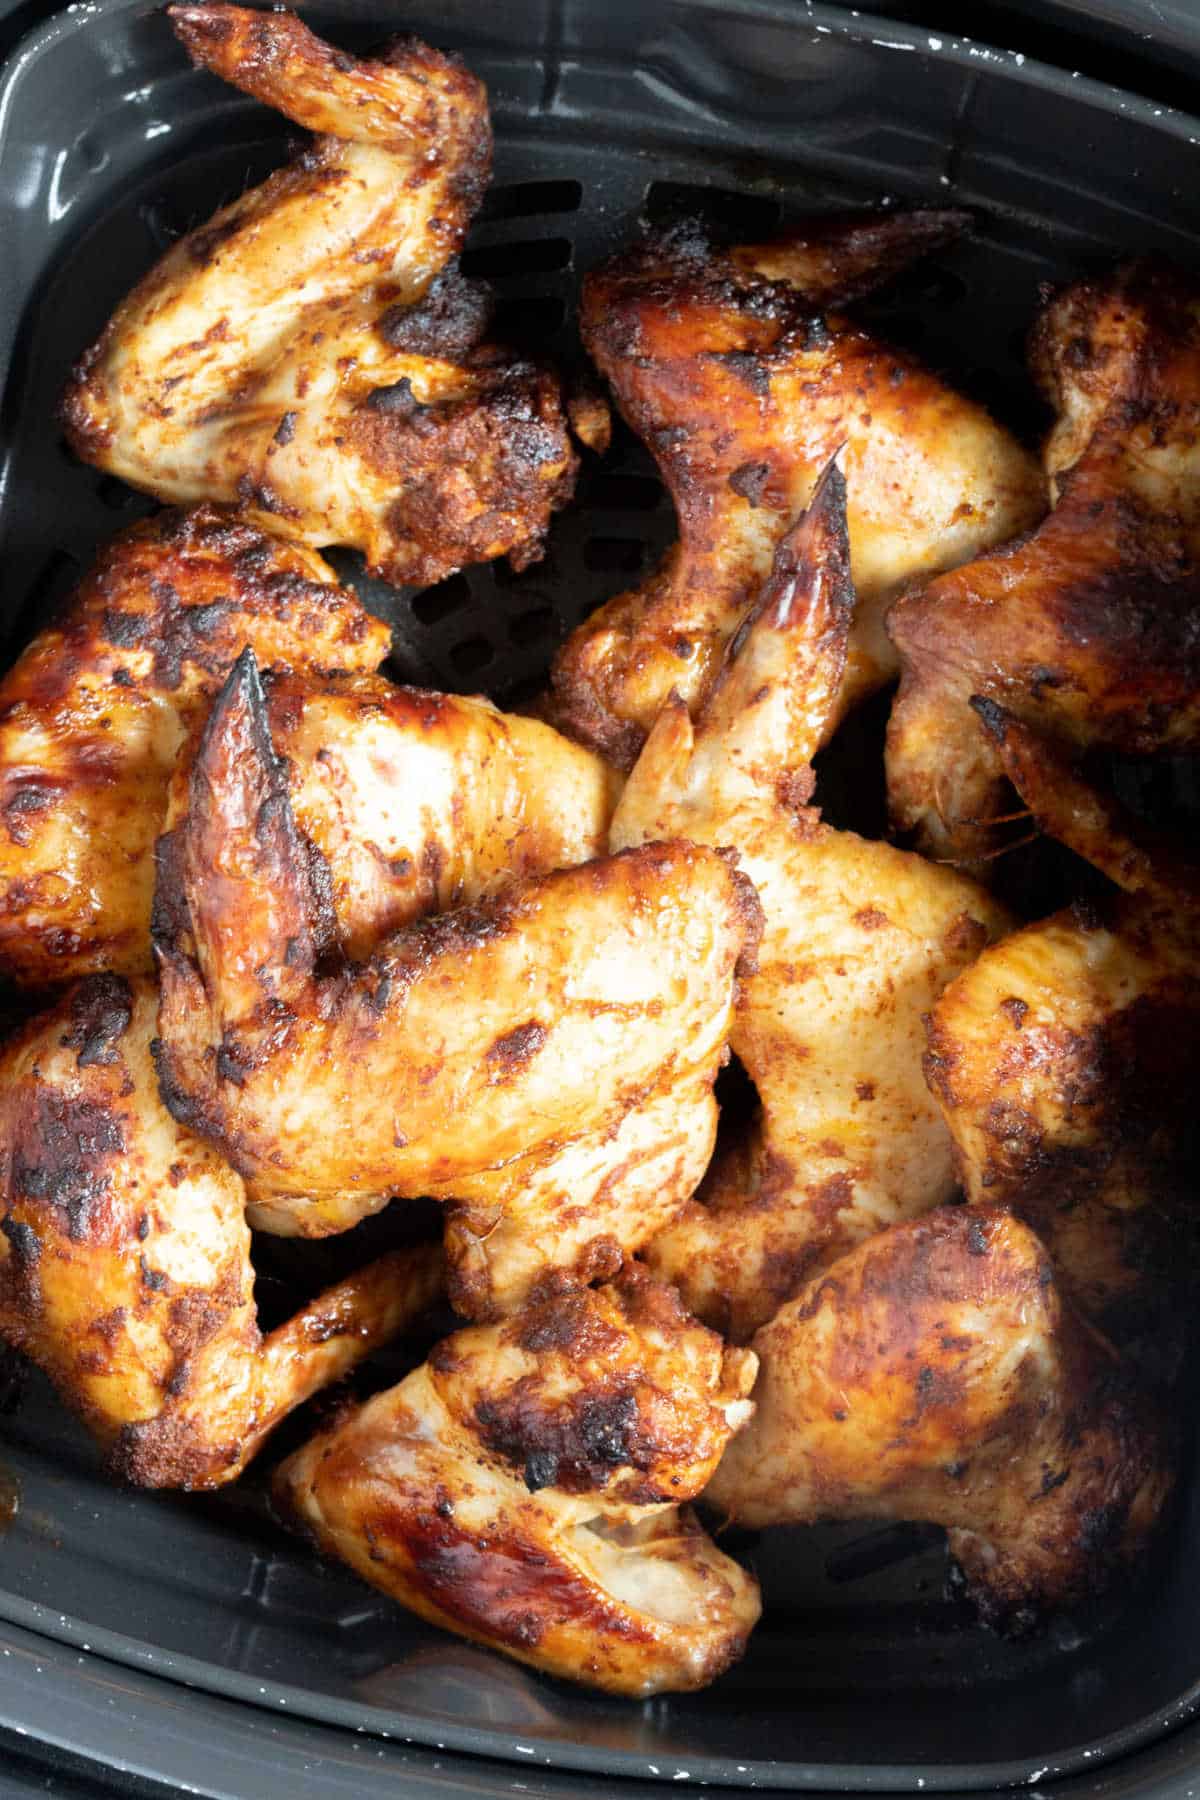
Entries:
{"x":469,"y":1052}
{"x":1089,"y":628}
{"x":859,"y":940}
{"x":311,"y":353}
{"x":526,"y":1487}
{"x":1064,"y":1062}
{"x":726,"y":365}
{"x":125,"y":1257}
{"x":419,"y":801}
{"x":94,"y":712}
{"x":934,"y":1373}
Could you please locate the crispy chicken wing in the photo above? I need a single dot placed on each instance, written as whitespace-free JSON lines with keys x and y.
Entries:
{"x":859,"y":940}
{"x":1063,"y":1062}
{"x":311,"y":353}
{"x":469,"y":1050}
{"x":1089,"y":627}
{"x":93,"y":714}
{"x":125,"y":1257}
{"x":526,"y":1488}
{"x":743,"y":389}
{"x":934,"y":1373}
{"x":418,"y":801}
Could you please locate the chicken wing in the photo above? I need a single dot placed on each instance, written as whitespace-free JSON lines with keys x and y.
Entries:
{"x":418,"y":801}
{"x":743,"y":388}
{"x":1063,"y":1064}
{"x":468,"y":1050}
{"x":125,"y":1266}
{"x":93,"y":714}
{"x":1089,"y":627}
{"x":526,"y":1489}
{"x":311,"y":354}
{"x":934,"y":1373}
{"x":859,"y":940}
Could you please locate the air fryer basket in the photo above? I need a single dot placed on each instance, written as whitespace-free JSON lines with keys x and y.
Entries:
{"x":864,"y":1672}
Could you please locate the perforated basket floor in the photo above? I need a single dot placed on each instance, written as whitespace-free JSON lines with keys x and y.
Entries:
{"x":864,"y":1673}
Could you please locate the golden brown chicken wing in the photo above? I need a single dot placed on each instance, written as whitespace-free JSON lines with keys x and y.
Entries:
{"x":935,"y":1374}
{"x":125,"y":1257}
{"x":1089,"y":627}
{"x":859,"y":940}
{"x":418,"y":801}
{"x":468,"y":1051}
{"x":93,"y":714}
{"x":526,"y":1488}
{"x":311,"y":354}
{"x":1063,"y":1061}
{"x":742,"y":387}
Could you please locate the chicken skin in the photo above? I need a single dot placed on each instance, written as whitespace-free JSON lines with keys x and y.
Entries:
{"x":526,"y":1488}
{"x":93,"y":714}
{"x":418,"y":801}
{"x":743,"y":388}
{"x":1063,"y":1061}
{"x":311,"y":354}
{"x":1088,"y":628}
{"x":859,"y":940}
{"x":125,"y":1257}
{"x":936,"y":1374}
{"x":467,"y":1050}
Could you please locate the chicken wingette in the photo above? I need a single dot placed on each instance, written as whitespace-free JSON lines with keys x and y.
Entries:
{"x":936,"y":1374}
{"x":418,"y":801}
{"x":312,"y":354}
{"x":1063,"y":1062}
{"x":527,"y":1488}
{"x":858,"y":942}
{"x":470,"y":1051}
{"x":93,"y":715}
{"x":1088,"y":628}
{"x":125,"y":1267}
{"x":743,"y":386}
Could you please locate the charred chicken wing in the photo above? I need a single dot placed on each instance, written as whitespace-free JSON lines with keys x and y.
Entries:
{"x":859,"y":940}
{"x":935,"y":1373}
{"x":468,"y":1050}
{"x":125,"y":1257}
{"x":311,"y":354}
{"x":1063,"y":1062}
{"x":1089,"y":627}
{"x":743,"y":388}
{"x":526,"y":1488}
{"x":93,"y":714}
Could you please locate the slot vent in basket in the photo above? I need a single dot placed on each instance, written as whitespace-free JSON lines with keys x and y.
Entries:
{"x":723,"y":210}
{"x":527,"y":256}
{"x":528,"y":199}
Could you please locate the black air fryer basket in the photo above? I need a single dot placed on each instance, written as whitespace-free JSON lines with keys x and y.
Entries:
{"x":865,"y":1673}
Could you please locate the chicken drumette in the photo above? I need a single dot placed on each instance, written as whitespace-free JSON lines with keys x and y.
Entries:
{"x":526,"y":1487}
{"x":471,"y":1056}
{"x":93,"y":714}
{"x":1063,"y":1062}
{"x":1089,"y":627}
{"x":859,"y":940}
{"x":311,"y":354}
{"x":934,"y":1373}
{"x":125,"y":1266}
{"x":728,"y":366}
